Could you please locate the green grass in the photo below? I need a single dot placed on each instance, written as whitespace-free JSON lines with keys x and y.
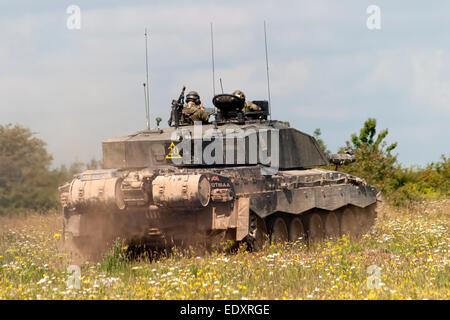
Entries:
{"x":411,"y":246}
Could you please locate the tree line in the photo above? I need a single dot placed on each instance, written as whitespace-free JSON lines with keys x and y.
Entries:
{"x":26,"y":180}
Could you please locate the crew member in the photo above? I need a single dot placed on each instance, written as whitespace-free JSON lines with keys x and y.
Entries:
{"x":249,"y":105}
{"x":193,"y":109}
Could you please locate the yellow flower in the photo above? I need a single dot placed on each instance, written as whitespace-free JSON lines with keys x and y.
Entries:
{"x":56,"y":235}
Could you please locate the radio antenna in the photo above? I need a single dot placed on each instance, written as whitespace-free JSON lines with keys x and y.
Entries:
{"x":147,"y":106}
{"x":267,"y":68}
{"x":146,"y":109}
{"x":212,"y":60}
{"x":221,"y":86}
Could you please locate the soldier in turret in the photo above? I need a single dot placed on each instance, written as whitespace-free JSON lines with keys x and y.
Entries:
{"x":249,"y":105}
{"x":193,"y":109}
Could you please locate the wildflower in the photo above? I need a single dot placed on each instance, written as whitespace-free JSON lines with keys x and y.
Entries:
{"x":43,"y":280}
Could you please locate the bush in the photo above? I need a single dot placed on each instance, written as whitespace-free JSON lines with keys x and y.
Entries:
{"x":401,"y":186}
{"x":26,"y":182}
{"x":374,"y":161}
{"x":417,"y":184}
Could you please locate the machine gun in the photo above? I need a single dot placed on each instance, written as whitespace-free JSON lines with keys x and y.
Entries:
{"x":177,"y":107}
{"x":341,"y":158}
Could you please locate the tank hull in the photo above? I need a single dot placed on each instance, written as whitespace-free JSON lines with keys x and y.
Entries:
{"x":190,"y":206}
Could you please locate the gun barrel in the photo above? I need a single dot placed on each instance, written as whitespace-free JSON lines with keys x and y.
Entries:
{"x":177,"y":105}
{"x":181,"y":97}
{"x":340,"y":159}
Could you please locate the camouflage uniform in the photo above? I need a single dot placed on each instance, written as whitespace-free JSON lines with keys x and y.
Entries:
{"x":249,"y":105}
{"x":193,"y":109}
{"x":194,"y":112}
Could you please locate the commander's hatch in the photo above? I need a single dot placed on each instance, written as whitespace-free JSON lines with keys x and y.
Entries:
{"x":229,"y":107}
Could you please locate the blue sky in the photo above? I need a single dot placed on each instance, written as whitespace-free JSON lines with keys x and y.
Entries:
{"x":76,"y":88}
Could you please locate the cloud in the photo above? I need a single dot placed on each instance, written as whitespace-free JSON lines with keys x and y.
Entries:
{"x":388,"y":69}
{"x":431,"y":79}
{"x":422,"y":74}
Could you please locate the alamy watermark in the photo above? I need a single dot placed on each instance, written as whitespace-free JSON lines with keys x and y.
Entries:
{"x":231,"y":146}
{"x":73,"y":22}
{"x":74,"y":19}
{"x":74,"y":279}
{"x":374,"y":20}
{"x":373,"y":281}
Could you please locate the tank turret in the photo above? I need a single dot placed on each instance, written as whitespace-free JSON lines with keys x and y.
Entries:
{"x":251,"y":131}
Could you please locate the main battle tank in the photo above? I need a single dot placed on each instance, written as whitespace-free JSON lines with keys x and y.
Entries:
{"x":240,"y":177}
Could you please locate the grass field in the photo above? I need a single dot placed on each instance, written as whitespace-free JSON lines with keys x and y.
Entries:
{"x":409,"y":246}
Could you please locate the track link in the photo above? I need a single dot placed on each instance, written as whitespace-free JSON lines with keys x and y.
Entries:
{"x":312,"y":226}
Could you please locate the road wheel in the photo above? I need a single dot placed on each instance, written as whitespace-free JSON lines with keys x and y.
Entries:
{"x":331,"y":225}
{"x":296,"y":230}
{"x":348,"y":223}
{"x":363,"y":220}
{"x":371,"y":215}
{"x":279,"y":231}
{"x":314,"y":227}
{"x":257,"y":233}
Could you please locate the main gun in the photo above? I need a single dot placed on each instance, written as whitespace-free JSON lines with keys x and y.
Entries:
{"x":341,"y":158}
{"x":177,"y":107}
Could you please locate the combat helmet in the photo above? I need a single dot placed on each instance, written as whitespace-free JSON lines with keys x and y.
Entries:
{"x":193,"y":96}
{"x":239,"y":93}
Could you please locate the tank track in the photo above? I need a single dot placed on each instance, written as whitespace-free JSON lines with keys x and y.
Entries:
{"x":308,"y":227}
{"x":311,"y":226}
